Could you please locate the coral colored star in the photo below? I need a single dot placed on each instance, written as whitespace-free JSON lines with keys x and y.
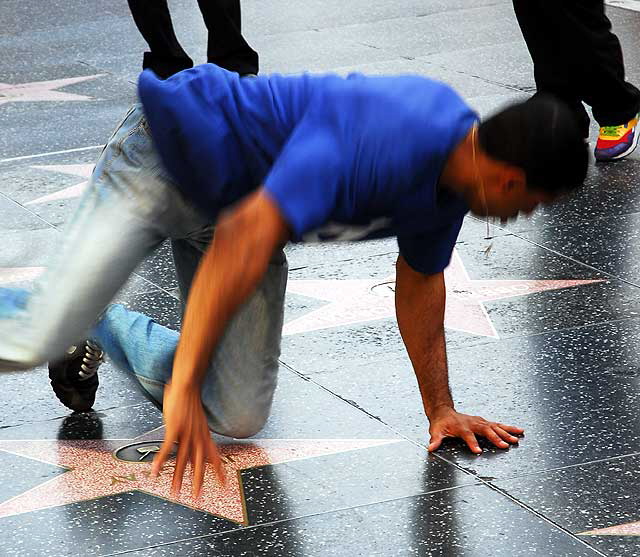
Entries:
{"x":363,"y":300}
{"x":81,"y":170}
{"x":93,"y":471}
{"x":37,"y":91}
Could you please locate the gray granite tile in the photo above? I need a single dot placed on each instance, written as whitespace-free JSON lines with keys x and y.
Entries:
{"x":468,"y":521}
{"x":596,"y":501}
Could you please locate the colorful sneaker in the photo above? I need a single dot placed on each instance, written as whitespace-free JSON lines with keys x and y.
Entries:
{"x":616,"y":142}
{"x":75,"y":378}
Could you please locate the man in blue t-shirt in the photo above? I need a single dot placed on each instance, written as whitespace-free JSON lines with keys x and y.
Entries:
{"x":271,"y":160}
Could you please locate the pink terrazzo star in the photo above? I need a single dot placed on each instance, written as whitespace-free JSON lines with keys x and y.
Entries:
{"x":364,"y":300}
{"x":43,"y":90}
{"x":10,"y":275}
{"x":80,"y":170}
{"x":94,"y":471}
{"x":629,"y":529}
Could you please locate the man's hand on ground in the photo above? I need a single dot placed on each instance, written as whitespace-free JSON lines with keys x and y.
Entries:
{"x":186,"y":425}
{"x":449,"y":423}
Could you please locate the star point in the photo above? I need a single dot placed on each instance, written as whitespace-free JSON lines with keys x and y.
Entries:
{"x":38,"y":91}
{"x":91,"y":471}
{"x":80,"y":170}
{"x":10,"y":275}
{"x":628,"y":529}
{"x":359,"y":301}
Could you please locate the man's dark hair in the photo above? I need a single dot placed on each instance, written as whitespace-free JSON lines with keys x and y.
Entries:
{"x":542,"y":137}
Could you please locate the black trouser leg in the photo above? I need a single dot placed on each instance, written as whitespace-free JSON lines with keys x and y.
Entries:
{"x":227,"y":47}
{"x":613,"y":100}
{"x":575,"y":54}
{"x":154,"y":22}
{"x":550,"y":68}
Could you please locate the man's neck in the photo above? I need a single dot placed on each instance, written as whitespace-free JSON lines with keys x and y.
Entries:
{"x":460,"y":171}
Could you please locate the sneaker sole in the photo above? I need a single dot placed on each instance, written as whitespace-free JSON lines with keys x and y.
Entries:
{"x":630,"y":150}
{"x":73,"y":399}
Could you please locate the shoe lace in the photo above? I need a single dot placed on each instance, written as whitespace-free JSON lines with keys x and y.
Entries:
{"x":93,"y":357}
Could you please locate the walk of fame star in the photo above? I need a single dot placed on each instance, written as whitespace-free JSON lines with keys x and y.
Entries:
{"x":80,"y":170}
{"x":363,"y":300}
{"x":38,"y":91}
{"x":93,"y":471}
{"x":629,"y":529}
{"x":10,"y":275}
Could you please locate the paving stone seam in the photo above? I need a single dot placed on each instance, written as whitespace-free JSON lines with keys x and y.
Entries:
{"x":35,"y":215}
{"x":109,"y":72}
{"x":481,"y":481}
{"x":257,"y":35}
{"x":629,"y":5}
{"x":388,"y":426}
{"x":292,"y":519}
{"x":56,"y":418}
{"x":52,"y":153}
{"x":577,"y":222}
{"x":157,"y":287}
{"x":513,"y":88}
{"x":551,"y":332}
{"x":471,"y":345}
{"x":318,"y":266}
{"x":524,"y":506}
{"x":574,"y":260}
{"x":562,"y":468}
{"x":336,"y":395}
{"x":543,"y":517}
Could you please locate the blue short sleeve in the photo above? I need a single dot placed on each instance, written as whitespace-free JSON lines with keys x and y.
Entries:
{"x":305,"y":179}
{"x":430,"y":253}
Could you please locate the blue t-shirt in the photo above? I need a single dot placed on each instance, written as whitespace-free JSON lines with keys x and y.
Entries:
{"x":343,"y":158}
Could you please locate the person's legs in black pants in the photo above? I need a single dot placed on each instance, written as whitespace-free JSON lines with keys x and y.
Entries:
{"x":154,"y":22}
{"x":227,"y":47}
{"x":541,"y":25}
{"x":600,"y":65}
{"x":575,"y":54}
{"x":578,"y":58}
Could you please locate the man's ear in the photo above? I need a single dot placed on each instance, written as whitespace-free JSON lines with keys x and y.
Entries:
{"x":513,"y":179}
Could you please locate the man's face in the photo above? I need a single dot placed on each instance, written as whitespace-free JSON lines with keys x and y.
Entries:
{"x":507,"y":201}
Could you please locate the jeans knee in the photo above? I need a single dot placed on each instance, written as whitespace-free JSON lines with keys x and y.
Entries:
{"x":241,"y":425}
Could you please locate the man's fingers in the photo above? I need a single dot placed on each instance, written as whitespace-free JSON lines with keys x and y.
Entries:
{"x":505,"y":435}
{"x":213,"y":457}
{"x":511,"y":429}
{"x":161,"y":456}
{"x":435,"y":442}
{"x":471,"y":441}
{"x":198,"y":465}
{"x":489,"y":433}
{"x":181,"y":463}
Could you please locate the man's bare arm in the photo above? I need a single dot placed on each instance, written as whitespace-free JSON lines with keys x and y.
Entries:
{"x":243,"y":243}
{"x":420,"y":305}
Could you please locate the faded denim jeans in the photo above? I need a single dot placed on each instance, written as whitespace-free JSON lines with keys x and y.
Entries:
{"x":130,"y":207}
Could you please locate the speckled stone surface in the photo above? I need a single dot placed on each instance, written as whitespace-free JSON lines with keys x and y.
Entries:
{"x":469,"y":521}
{"x":542,"y":324}
{"x":597,"y":501}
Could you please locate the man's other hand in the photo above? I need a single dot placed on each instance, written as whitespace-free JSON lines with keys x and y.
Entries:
{"x":449,"y":423}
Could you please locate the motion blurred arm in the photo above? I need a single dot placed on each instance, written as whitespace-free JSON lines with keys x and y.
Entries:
{"x":243,"y":243}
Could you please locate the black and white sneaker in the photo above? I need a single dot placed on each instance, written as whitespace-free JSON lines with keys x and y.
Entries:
{"x":75,"y":377}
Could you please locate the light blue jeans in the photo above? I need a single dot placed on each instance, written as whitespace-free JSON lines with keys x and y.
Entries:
{"x":130,"y":207}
